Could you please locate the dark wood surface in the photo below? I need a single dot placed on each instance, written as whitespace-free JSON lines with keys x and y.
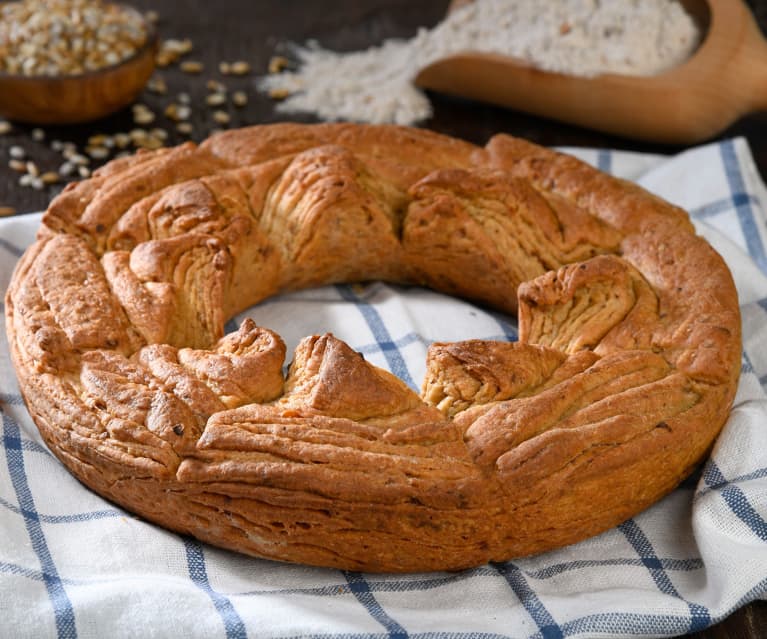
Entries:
{"x":229,"y":30}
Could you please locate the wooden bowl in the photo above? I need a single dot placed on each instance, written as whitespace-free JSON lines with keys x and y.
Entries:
{"x":723,"y":80}
{"x":70,"y":99}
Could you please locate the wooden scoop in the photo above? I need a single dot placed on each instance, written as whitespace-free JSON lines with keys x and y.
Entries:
{"x":724,"y":79}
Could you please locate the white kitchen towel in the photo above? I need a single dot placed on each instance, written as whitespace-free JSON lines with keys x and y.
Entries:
{"x":74,"y":565}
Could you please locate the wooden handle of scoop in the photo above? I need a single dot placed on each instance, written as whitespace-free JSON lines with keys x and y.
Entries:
{"x":755,"y":69}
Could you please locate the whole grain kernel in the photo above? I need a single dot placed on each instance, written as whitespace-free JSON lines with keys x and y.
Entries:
{"x":18,"y":165}
{"x":215,"y":99}
{"x":144,"y":117}
{"x":83,"y":171}
{"x":164,"y":59}
{"x":278,"y":63}
{"x":138,"y":134}
{"x":239,"y":98}
{"x":32,"y":169}
{"x":178,"y":112}
{"x":67,"y":169}
{"x":180,"y":46}
{"x":26,"y":180}
{"x":184,"y":98}
{"x":37,"y":183}
{"x":185,"y":128}
{"x":122,"y":140}
{"x":50,"y":177}
{"x":171,"y":50}
{"x":38,"y":135}
{"x":278,"y":94}
{"x":191,"y":66}
{"x":142,"y":114}
{"x":97,"y":152}
{"x":157,"y":85}
{"x":17,"y":152}
{"x":5,"y":211}
{"x":150,"y":142}
{"x":215,"y":86}
{"x":225,"y":68}
{"x":221,"y":117}
{"x":5,"y":127}
{"x":240,"y":68}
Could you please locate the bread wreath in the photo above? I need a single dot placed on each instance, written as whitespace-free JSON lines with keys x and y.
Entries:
{"x":624,"y":373}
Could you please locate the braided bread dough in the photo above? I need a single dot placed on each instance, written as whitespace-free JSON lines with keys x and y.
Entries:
{"x":626,"y":367}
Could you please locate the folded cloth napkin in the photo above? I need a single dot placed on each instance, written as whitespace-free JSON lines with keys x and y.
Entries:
{"x":74,"y":565}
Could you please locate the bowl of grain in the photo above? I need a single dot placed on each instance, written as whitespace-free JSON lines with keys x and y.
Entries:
{"x":70,"y":61}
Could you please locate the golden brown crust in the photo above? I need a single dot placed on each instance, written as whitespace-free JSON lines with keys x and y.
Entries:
{"x":624,"y":374}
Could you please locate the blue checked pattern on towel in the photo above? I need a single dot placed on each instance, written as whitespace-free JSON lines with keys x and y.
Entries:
{"x":73,"y":565}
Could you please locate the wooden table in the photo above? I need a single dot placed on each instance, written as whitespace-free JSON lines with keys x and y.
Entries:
{"x":229,"y":30}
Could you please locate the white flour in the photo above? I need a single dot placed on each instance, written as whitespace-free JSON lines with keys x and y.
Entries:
{"x":577,"y":37}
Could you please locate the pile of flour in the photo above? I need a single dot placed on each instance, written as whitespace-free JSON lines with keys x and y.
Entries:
{"x":576,"y":37}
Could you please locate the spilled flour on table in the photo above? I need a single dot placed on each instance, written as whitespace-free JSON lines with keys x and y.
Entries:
{"x":576,"y":37}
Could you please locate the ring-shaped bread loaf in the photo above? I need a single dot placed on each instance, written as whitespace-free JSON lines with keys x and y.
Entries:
{"x":624,"y":373}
